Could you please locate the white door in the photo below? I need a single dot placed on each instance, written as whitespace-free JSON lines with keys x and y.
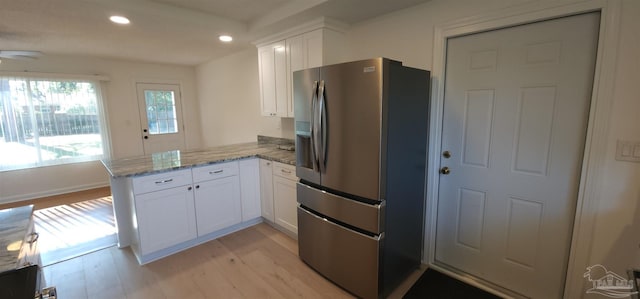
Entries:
{"x":160,"y":117}
{"x":165,"y":218}
{"x":250,"y":188}
{"x":217,"y":204}
{"x":285,"y":203}
{"x":266,"y":189}
{"x":515,"y":116}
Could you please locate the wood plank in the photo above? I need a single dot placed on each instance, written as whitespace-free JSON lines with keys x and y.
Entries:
{"x":239,"y":274}
{"x":101,"y":276}
{"x":137,"y":281}
{"x":68,"y":278}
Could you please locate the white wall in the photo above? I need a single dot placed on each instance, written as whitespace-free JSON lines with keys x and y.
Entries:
{"x":229,"y":93}
{"x":120,"y":96}
{"x":408,"y":36}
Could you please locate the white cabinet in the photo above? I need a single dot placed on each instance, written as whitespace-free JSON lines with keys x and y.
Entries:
{"x":250,"y":188}
{"x":165,"y":218}
{"x":266,"y":189}
{"x":284,"y":197}
{"x":278,"y":60}
{"x":303,"y":51}
{"x":217,"y":196}
{"x":175,"y":210}
{"x":272,"y":65}
{"x":217,"y":204}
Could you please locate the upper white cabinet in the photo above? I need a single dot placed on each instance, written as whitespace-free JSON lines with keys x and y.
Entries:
{"x":279,"y":59}
{"x":272,"y":65}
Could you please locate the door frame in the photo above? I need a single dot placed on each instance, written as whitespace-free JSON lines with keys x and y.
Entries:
{"x":145,"y":80}
{"x":596,"y":136}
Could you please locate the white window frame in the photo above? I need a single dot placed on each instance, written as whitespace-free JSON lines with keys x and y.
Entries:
{"x":98,"y":83}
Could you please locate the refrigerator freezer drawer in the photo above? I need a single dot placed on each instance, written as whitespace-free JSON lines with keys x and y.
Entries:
{"x":364,"y":216}
{"x":346,"y":257}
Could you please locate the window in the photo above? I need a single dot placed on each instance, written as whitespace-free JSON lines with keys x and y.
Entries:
{"x":49,"y":122}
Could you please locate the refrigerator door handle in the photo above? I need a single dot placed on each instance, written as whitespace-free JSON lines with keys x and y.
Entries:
{"x":322,"y":127}
{"x":314,"y":128}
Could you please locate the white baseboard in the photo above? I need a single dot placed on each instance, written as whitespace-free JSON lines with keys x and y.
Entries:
{"x":29,"y":196}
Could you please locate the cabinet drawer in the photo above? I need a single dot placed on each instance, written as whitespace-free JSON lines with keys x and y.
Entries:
{"x":161,"y":181}
{"x":285,"y":171}
{"x":215,"y":171}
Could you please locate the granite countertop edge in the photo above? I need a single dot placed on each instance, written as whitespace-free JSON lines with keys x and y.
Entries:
{"x":262,"y":151}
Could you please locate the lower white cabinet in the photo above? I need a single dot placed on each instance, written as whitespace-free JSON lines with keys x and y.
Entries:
{"x":165,"y":218}
{"x":217,"y":204}
{"x":160,"y":214}
{"x":284,"y":197}
{"x":266,"y":189}
{"x":250,"y":188}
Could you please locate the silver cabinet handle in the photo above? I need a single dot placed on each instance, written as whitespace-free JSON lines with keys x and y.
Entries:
{"x":285,"y":171}
{"x":164,"y":181}
{"x":216,"y":171}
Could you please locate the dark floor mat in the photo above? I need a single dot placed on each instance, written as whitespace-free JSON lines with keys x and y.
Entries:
{"x":433,"y":284}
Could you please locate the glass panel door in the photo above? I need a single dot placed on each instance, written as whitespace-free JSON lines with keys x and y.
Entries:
{"x":160,"y":117}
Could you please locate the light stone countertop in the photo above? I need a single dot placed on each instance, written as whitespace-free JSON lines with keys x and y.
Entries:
{"x":14,"y":226}
{"x":173,"y":160}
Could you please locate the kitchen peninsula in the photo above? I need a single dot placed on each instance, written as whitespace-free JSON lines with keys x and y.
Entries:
{"x":170,"y":201}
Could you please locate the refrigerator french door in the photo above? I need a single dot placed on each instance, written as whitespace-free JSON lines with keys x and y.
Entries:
{"x":361,"y":131}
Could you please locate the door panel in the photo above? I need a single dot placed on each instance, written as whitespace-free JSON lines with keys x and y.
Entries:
{"x":160,"y":117}
{"x":353,"y":102}
{"x":515,"y":116}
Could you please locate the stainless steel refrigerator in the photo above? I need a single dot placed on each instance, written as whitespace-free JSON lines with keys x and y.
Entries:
{"x":361,"y":139}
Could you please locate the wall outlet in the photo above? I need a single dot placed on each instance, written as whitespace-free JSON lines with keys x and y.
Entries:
{"x":628,"y":151}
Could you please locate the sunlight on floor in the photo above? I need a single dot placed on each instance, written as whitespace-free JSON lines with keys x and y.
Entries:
{"x":70,"y":230}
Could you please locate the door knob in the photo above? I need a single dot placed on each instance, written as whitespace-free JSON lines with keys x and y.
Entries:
{"x":446,"y":154}
{"x":445,"y":170}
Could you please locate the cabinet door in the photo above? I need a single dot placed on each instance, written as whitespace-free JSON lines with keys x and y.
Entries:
{"x":266,"y":189}
{"x":313,"y":48}
{"x":250,"y":189}
{"x":217,"y":204}
{"x":297,"y":60}
{"x":303,"y":51}
{"x":285,"y":203}
{"x":272,"y":65}
{"x":165,"y":218}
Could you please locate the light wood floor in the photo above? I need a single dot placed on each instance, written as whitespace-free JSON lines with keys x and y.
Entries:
{"x":74,"y":229}
{"x":258,"y":262}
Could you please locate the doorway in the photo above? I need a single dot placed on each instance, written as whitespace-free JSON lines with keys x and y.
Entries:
{"x":160,"y":108}
{"x":516,"y":108}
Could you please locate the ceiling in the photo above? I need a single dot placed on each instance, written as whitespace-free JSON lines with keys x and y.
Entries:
{"x":166,"y":31}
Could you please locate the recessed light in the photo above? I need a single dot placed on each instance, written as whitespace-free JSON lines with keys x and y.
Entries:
{"x":119,"y":20}
{"x":225,"y":38}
